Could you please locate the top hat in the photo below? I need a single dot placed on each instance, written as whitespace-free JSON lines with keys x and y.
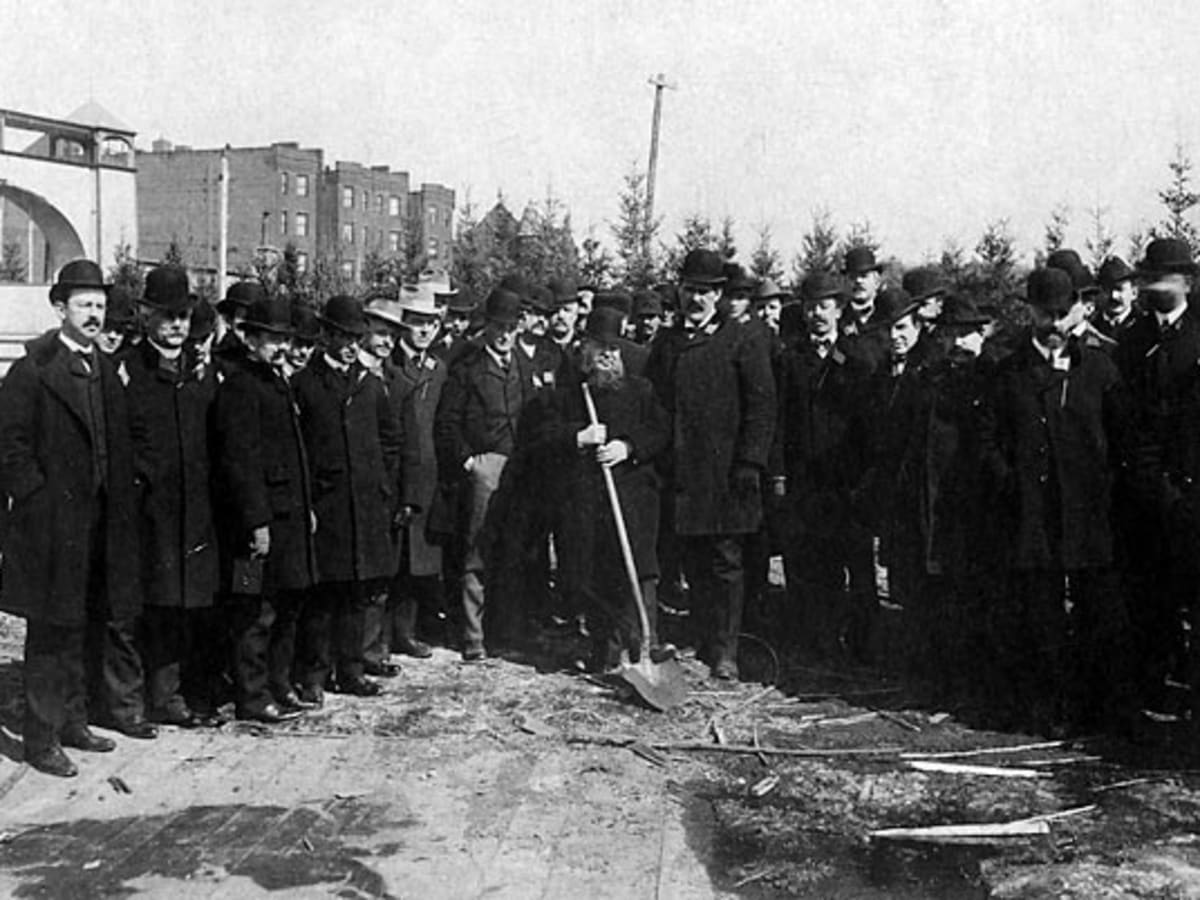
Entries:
{"x":563,"y":290}
{"x":539,"y":299}
{"x":618,"y":300}
{"x":418,"y":298}
{"x":241,"y":296}
{"x":305,"y":324}
{"x":860,"y":259}
{"x":502,"y":307}
{"x":1050,"y":290}
{"x":1167,"y":255}
{"x":737,"y":280}
{"x":1069,"y":262}
{"x":77,"y":274}
{"x":647,"y":303}
{"x":892,"y":305}
{"x":345,"y":314}
{"x":767,"y":289}
{"x":1113,"y":271}
{"x":604,"y":325}
{"x":962,"y":313}
{"x":204,"y":320}
{"x":385,"y":309}
{"x":702,"y":266}
{"x":821,"y":286}
{"x":270,"y":314}
{"x":923,"y":283}
{"x":167,"y":290}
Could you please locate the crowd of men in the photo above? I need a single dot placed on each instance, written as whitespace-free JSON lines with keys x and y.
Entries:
{"x":273,"y":502}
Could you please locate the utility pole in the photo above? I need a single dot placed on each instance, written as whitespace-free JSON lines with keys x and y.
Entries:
{"x":659,"y":81}
{"x":223,"y":223}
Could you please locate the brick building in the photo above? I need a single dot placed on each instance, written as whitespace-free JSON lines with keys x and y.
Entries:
{"x":363,"y":210}
{"x":432,"y":222}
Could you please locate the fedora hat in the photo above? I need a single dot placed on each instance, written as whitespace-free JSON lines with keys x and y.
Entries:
{"x":822,"y":286}
{"x":1113,"y":271}
{"x":1068,"y":261}
{"x":540,"y":300}
{"x":242,"y":295}
{"x":702,"y":266}
{"x":204,"y":320}
{"x":461,"y":302}
{"x":923,"y":283}
{"x":738,"y":280}
{"x":1050,"y":290}
{"x":167,"y":290}
{"x":270,"y":314}
{"x":502,"y":307}
{"x":1167,"y":255}
{"x":961,"y":312}
{"x":892,"y":305}
{"x":418,"y":298}
{"x":860,"y":259}
{"x":78,"y":274}
{"x":604,"y":325}
{"x":345,"y":314}
{"x":385,"y":309}
{"x":767,"y":289}
{"x":439,"y":279}
{"x":618,"y":300}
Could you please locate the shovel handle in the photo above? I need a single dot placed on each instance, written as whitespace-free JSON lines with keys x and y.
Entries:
{"x":614,"y":501}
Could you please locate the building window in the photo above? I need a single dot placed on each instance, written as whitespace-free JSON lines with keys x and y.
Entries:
{"x":366,"y":204}
{"x":394,"y":241}
{"x":433,"y":248}
{"x":348,"y":269}
{"x":301,"y":223}
{"x":366,"y":236}
{"x":301,"y":185}
{"x":393,"y":205}
{"x":431,"y":215}
{"x":347,"y":233}
{"x":301,"y":259}
{"x":379,"y":204}
{"x":347,"y":198}
{"x":283,"y":222}
{"x":283,"y":182}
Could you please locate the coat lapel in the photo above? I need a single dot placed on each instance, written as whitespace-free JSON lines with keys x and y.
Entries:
{"x":58,"y":378}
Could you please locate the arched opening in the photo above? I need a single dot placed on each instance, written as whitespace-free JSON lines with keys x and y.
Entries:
{"x":55,"y":240}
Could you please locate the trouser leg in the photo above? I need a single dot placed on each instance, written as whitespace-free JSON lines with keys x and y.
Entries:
{"x":376,"y":646}
{"x":117,"y":681}
{"x":351,"y":616}
{"x":713,"y":566}
{"x":252,"y":618}
{"x":164,"y":648}
{"x":315,"y":657}
{"x":54,"y":683}
{"x":281,"y":649}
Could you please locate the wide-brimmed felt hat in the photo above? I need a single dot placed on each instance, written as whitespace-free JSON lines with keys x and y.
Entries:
{"x":203,"y":321}
{"x":860,"y":259}
{"x":1068,"y":261}
{"x":385,"y":309}
{"x":167,"y":290}
{"x":738,"y":280}
{"x":923,"y":283}
{"x":440,"y":280}
{"x":647,"y":303}
{"x":618,"y":300}
{"x":502,"y":307}
{"x":539,"y":300}
{"x":1167,"y":255}
{"x":1113,"y":271}
{"x":241,"y":295}
{"x":892,"y":305}
{"x":822,"y":286}
{"x":1050,"y":290}
{"x":960,"y":312}
{"x":419,"y":298}
{"x":305,"y":326}
{"x":345,"y":314}
{"x":767,"y":289}
{"x":604,"y":325}
{"x":78,"y":274}
{"x":270,"y":314}
{"x":702,"y":266}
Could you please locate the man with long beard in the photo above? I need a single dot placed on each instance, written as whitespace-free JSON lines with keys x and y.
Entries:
{"x":633,"y":430}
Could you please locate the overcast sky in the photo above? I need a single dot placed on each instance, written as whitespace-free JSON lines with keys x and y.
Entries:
{"x":927,"y":118}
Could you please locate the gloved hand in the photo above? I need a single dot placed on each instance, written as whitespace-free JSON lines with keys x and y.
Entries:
{"x":592,"y":436}
{"x":744,"y":480}
{"x":612,"y":454}
{"x":260,"y":542}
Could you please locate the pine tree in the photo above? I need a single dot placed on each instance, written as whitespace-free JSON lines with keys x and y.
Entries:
{"x":635,"y":234}
{"x":1179,"y":199}
{"x":595,"y":262}
{"x":765,"y":261}
{"x":818,"y":247}
{"x":173,"y":255}
{"x":726,"y":242}
{"x":12,"y":262}
{"x":1100,"y":243}
{"x":125,"y":270}
{"x":1056,"y":228}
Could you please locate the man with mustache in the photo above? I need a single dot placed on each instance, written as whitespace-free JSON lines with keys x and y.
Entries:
{"x":71,"y":555}
{"x":864,"y":279}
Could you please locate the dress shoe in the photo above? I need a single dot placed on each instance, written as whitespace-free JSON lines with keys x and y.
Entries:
{"x":180,"y":718}
{"x":413,"y":647}
{"x":360,"y":687}
{"x":474,"y":653}
{"x":291,"y":700}
{"x":271,"y":714}
{"x":134,"y":728}
{"x":52,"y":761}
{"x":83,"y":738}
{"x":314,"y":696}
{"x":382,"y":669}
{"x":725,"y":670}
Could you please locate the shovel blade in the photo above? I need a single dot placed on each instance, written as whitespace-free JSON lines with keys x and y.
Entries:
{"x":661,"y":685}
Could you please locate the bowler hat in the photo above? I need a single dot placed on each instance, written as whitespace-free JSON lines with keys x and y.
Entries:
{"x":204,"y":320}
{"x":167,"y":290}
{"x":737,"y":280}
{"x":418,"y":298}
{"x":77,"y":274}
{"x":269,"y":314}
{"x":540,"y":300}
{"x":892,"y":305}
{"x":821,"y":286}
{"x":1050,"y":290}
{"x":1113,"y":271}
{"x":502,"y":307}
{"x":118,"y":311}
{"x":767,"y":289}
{"x":461,"y":301}
{"x":647,"y":303}
{"x":304,"y":323}
{"x":860,"y":259}
{"x":961,"y":312}
{"x":923,"y":283}
{"x":702,"y":266}
{"x":1167,"y":255}
{"x":604,"y":325}
{"x":345,"y":314}
{"x":515,"y":283}
{"x":618,"y":300}
{"x":241,"y":295}
{"x":1068,"y":261}
{"x":385,"y":309}
{"x":564,"y":291}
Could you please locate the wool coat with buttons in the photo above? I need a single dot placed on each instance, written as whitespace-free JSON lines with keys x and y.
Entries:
{"x":1050,"y":440}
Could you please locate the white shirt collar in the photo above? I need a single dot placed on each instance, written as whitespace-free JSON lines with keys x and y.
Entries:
{"x":336,"y":365}
{"x":1170,"y":318}
{"x":74,"y":346}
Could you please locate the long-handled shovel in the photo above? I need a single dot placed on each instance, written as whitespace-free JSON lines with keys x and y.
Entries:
{"x":660,"y":684}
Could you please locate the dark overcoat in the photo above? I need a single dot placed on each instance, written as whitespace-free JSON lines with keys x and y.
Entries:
{"x":47,"y":448}
{"x":1049,"y":440}
{"x":542,"y":370}
{"x":632,"y":413}
{"x":263,"y":474}
{"x":414,"y":391}
{"x":353,"y":440}
{"x":479,"y":412}
{"x":171,"y":416}
{"x":718,"y":388}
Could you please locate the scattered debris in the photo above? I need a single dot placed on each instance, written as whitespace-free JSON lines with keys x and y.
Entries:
{"x":1061,"y":814}
{"x":1129,"y":782}
{"x":308,"y":845}
{"x":117,"y":783}
{"x":987,"y":751}
{"x":922,"y":765}
{"x":939,"y":718}
{"x":764,"y":786}
{"x":532,"y":725}
{"x":92,"y":864}
{"x":649,"y":754}
{"x":981,"y":833}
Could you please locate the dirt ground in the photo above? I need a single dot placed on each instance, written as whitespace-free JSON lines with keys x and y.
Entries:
{"x":522,"y":778}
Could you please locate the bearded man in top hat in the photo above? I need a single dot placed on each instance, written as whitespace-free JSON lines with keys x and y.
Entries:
{"x":864,"y":277}
{"x":266,"y":513}
{"x":352,"y":437}
{"x":171,"y":397}
{"x":1054,"y":422}
{"x":71,"y":555}
{"x":714,"y":378}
